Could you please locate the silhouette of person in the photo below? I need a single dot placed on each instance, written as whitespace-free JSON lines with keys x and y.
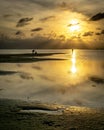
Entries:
{"x":33,"y":51}
{"x":72,"y":51}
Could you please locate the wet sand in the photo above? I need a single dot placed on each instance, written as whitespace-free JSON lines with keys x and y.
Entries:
{"x":27,"y":57}
{"x":15,"y":115}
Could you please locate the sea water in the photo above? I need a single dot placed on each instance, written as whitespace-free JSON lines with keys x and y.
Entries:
{"x":76,"y":80}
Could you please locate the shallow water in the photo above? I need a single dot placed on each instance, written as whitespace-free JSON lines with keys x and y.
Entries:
{"x":78,"y":80}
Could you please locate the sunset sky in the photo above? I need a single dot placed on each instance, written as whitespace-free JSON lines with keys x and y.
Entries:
{"x":52,"y":24}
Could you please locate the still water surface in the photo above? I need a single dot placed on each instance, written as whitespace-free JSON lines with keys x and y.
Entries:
{"x":78,"y":80}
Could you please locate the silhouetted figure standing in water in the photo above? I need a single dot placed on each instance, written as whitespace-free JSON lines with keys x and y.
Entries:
{"x":34,"y":52}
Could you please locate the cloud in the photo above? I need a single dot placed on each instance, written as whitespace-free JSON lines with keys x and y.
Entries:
{"x":37,"y":29}
{"x":24,"y":21}
{"x":98,"y":28}
{"x":64,"y":6}
{"x":100,"y":33}
{"x":88,"y":34}
{"x":20,"y":34}
{"x":87,"y":7}
{"x":72,"y":24}
{"x":97,"y":17}
{"x":47,"y":18}
{"x":8,"y":15}
{"x":97,"y":33}
{"x":41,"y":42}
{"x":45,"y":3}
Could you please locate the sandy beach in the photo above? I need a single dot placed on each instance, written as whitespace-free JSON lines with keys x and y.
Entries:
{"x":12,"y":117}
{"x":51,"y":64}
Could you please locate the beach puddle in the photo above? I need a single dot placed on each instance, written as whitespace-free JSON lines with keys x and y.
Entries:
{"x":42,"y":111}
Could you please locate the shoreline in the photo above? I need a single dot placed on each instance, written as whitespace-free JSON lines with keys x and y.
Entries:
{"x":27,"y":57}
{"x":12,"y":116}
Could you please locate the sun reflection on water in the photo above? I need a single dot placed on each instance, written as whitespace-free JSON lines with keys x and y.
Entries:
{"x":73,"y":68}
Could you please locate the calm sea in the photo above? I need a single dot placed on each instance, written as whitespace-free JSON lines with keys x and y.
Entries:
{"x":78,"y":80}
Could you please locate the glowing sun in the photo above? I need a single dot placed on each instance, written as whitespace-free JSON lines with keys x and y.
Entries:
{"x":74,"y":25}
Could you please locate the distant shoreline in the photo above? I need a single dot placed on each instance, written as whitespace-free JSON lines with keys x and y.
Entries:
{"x":52,"y":49}
{"x":27,"y":57}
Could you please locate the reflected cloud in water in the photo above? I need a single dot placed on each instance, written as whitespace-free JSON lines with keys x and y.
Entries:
{"x":75,"y":81}
{"x":47,"y":78}
{"x":36,"y":67}
{"x":26,"y":76}
{"x":7,"y":72}
{"x":97,"y":80}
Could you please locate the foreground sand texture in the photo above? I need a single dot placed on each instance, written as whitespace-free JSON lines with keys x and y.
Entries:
{"x":14,"y":117}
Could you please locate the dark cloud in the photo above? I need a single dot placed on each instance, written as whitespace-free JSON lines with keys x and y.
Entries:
{"x":97,"y":17}
{"x":100,"y":33}
{"x":20,"y":34}
{"x":88,"y":34}
{"x":23,"y":22}
{"x":47,"y":18}
{"x":97,"y":33}
{"x":37,"y":29}
{"x":41,"y":42}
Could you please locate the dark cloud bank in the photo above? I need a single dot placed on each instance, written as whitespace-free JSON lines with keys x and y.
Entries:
{"x":97,"y":17}
{"x":48,"y":43}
